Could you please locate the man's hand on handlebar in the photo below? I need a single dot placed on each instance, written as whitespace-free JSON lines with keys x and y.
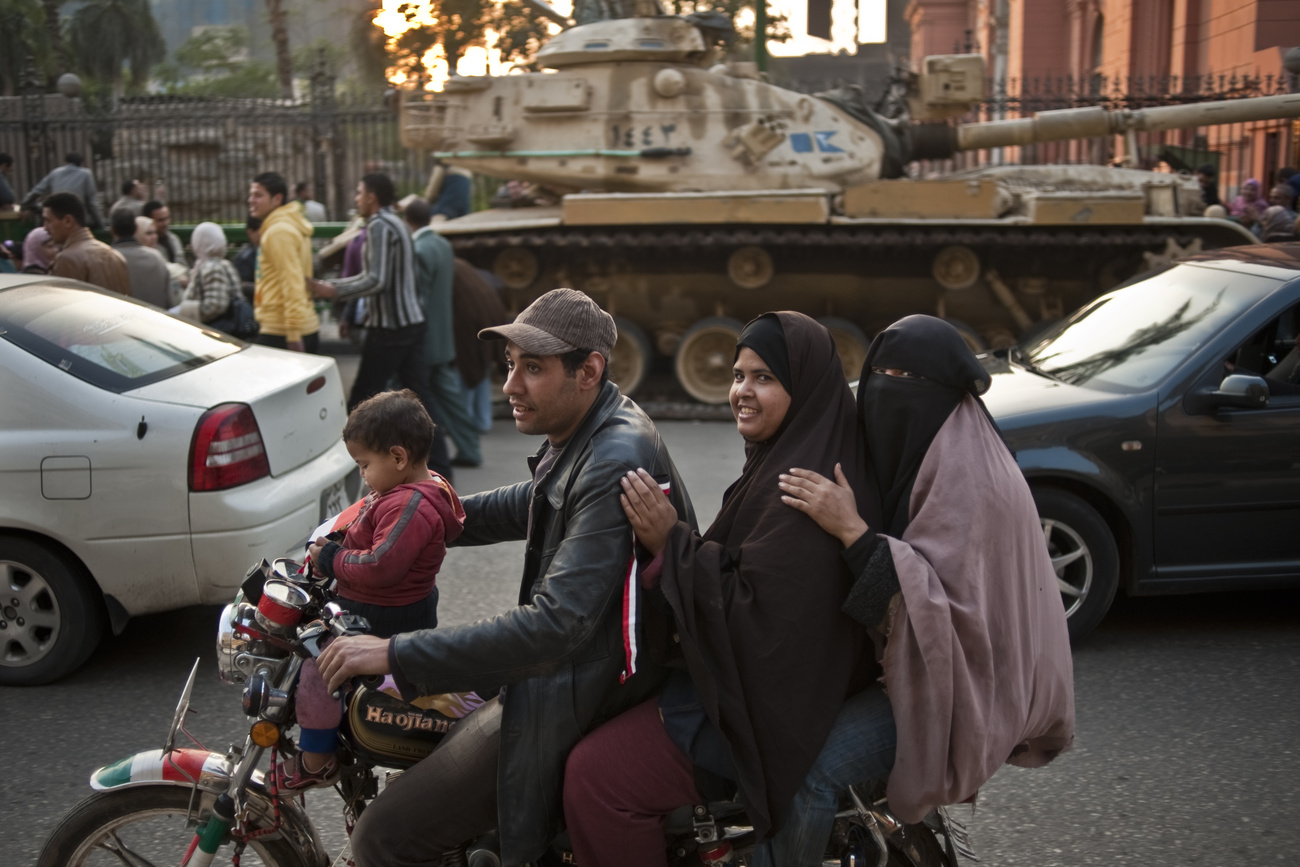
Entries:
{"x":352,"y":656}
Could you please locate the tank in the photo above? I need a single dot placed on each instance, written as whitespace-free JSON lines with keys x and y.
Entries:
{"x":687,"y":196}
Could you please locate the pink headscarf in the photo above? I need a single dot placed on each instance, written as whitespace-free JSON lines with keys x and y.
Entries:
{"x":34,"y":249}
{"x":1241,"y":203}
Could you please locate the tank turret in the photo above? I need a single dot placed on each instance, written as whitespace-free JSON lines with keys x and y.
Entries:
{"x":692,"y":195}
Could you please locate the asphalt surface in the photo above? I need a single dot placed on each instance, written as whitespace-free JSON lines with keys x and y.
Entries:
{"x":1188,"y":747}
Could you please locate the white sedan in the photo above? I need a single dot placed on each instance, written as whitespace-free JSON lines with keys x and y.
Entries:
{"x":145,"y":464}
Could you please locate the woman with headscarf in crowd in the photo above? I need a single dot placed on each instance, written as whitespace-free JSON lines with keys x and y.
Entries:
{"x":1248,"y":204}
{"x":769,"y":656}
{"x":214,"y":282}
{"x":39,"y":251}
{"x":953,"y":584}
{"x":1277,"y":223}
{"x":147,"y":234}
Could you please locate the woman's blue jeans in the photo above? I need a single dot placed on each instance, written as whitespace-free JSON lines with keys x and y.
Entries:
{"x":859,"y":748}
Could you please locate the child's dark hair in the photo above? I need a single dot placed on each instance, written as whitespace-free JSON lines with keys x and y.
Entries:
{"x":391,"y":418}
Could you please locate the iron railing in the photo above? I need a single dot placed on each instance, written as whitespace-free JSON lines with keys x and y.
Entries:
{"x":201,"y":153}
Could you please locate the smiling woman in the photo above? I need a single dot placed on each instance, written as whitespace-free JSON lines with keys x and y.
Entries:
{"x":756,"y":602}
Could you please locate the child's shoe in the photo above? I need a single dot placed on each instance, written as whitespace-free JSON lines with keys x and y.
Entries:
{"x":290,"y":774}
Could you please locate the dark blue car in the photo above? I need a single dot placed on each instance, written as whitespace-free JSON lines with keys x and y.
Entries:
{"x":1159,"y":428}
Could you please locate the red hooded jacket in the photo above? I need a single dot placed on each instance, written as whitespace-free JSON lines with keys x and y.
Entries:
{"x":392,"y":552}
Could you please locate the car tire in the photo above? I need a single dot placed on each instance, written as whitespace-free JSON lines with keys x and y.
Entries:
{"x":51,"y":618}
{"x":1084,"y":555}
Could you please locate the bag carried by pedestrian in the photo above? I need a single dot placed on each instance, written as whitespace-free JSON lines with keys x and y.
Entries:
{"x":214,"y":279}
{"x":238,"y":320}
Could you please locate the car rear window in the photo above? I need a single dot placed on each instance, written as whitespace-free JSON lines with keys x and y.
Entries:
{"x":1137,"y":335}
{"x":106,"y":340}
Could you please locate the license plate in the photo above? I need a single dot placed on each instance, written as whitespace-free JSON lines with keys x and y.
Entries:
{"x":333,"y":499}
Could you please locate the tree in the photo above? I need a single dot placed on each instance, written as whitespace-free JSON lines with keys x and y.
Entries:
{"x":54,"y":35}
{"x":215,"y":62}
{"x":280,"y":38}
{"x":22,"y":33}
{"x":778,"y":25}
{"x":369,"y":50}
{"x":461,"y":24}
{"x":105,"y":35}
{"x":520,"y":31}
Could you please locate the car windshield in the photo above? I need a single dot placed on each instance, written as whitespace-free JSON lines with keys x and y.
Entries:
{"x":105,"y":340}
{"x":1135,"y":336}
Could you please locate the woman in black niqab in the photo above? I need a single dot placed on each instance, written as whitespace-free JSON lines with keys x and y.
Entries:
{"x":917,"y":371}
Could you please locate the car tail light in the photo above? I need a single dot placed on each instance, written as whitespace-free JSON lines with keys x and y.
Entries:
{"x":227,"y":449}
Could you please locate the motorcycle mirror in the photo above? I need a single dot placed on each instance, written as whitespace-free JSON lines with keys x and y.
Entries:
{"x":254,"y":578}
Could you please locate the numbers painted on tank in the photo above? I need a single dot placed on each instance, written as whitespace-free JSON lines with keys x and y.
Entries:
{"x":637,"y":136}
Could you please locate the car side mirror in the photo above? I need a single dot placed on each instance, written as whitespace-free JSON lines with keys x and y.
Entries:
{"x":1238,"y":390}
{"x":1241,"y":390}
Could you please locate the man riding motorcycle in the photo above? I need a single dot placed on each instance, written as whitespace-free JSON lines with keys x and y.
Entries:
{"x":566,"y":658}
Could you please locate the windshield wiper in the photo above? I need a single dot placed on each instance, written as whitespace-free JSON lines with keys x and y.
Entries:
{"x":1019,"y":357}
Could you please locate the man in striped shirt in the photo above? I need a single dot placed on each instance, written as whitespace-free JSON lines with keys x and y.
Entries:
{"x":395,"y":325}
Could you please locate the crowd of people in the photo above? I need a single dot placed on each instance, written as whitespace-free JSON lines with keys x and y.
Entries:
{"x":1272,"y":218}
{"x":873,"y":602}
{"x":404,"y":294}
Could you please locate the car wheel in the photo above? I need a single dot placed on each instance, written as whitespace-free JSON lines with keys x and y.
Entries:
{"x":50,"y":619}
{"x":1084,"y":556}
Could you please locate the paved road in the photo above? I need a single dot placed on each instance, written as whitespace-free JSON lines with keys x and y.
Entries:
{"x":1188,"y":711}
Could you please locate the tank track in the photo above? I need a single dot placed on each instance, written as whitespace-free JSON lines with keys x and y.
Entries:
{"x":821,"y":236}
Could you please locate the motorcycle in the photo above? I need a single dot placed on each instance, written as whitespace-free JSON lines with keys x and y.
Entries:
{"x":185,"y":804}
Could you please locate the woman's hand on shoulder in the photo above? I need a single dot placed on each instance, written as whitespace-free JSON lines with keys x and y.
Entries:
{"x":830,"y":503}
{"x":650,"y":513}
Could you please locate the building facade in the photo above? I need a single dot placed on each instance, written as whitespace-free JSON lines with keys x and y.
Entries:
{"x":1198,"y":48}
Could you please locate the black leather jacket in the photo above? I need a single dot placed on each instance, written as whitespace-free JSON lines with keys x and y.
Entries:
{"x":561,"y":651}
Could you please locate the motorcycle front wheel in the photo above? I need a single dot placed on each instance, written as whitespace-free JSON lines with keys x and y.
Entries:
{"x":142,"y":826}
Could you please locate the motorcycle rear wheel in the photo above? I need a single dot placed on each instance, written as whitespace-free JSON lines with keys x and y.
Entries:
{"x":143,"y":825}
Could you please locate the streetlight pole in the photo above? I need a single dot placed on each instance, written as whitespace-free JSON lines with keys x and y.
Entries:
{"x":760,"y":34}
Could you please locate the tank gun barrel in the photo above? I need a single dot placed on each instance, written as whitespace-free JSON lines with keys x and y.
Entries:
{"x":1077,"y":123}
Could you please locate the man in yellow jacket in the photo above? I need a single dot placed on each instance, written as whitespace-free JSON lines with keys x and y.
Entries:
{"x":281,"y":302}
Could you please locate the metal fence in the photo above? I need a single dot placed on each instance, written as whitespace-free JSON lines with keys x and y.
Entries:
{"x":198,"y":154}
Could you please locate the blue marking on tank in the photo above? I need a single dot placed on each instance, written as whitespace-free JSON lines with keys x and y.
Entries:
{"x":824,"y":142}
{"x":801,"y":142}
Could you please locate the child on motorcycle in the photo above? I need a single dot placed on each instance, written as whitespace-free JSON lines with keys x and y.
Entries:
{"x":387,"y":565}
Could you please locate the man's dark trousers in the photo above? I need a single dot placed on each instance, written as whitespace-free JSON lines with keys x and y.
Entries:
{"x":390,"y":353}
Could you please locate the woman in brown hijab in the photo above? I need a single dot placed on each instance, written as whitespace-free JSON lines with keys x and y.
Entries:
{"x":953,"y":583}
{"x":769,"y":656}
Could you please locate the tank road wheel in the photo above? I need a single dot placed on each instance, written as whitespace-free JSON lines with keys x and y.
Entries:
{"x":850,"y":344}
{"x":705,"y":356}
{"x":956,"y":267}
{"x":516,"y":267}
{"x":631,"y":357}
{"x":750,"y":267}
